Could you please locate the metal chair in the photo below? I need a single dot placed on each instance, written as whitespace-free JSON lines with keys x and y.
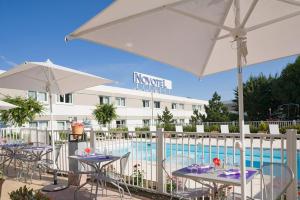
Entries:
{"x":224,"y":129}
{"x":48,"y":163}
{"x":115,"y":178}
{"x":276,"y":178}
{"x":178,"y":188}
{"x":274,"y":129}
{"x":200,"y":128}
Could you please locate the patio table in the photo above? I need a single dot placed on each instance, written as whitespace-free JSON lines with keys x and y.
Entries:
{"x":95,"y":161}
{"x":38,"y":151}
{"x":12,"y":152}
{"x":217,"y":177}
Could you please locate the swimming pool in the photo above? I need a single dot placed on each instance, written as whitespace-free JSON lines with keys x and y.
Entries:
{"x":146,"y":151}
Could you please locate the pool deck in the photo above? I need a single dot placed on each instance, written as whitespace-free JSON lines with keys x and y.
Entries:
{"x":11,"y":184}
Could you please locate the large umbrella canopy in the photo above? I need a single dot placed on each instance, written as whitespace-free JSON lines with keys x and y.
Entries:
{"x":51,"y":78}
{"x":189,"y":34}
{"x":200,"y":36}
{"x":46,"y":76}
{"x":6,"y":106}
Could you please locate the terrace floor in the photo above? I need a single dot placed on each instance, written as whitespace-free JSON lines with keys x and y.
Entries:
{"x":12,"y":184}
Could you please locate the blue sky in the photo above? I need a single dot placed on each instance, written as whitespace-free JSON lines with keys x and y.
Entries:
{"x":34,"y":30}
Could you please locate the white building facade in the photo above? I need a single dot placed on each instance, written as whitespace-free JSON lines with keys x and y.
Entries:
{"x":134,"y":107}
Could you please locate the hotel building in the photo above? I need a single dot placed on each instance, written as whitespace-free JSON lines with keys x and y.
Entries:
{"x":134,"y":107}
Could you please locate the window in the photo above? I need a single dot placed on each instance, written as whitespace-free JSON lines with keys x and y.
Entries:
{"x":146,"y":103}
{"x":156,"y":122}
{"x":66,"y":98}
{"x":146,"y":122}
{"x":156,"y":104}
{"x":120,"y":123}
{"x":181,"y":121}
{"x":181,"y":106}
{"x":32,"y":94}
{"x":42,"y":96}
{"x":120,"y":101}
{"x":104,"y":100}
{"x":174,"y":106}
{"x":197,"y":107}
{"x":43,"y":125}
{"x":33,"y":124}
{"x":39,"y":96}
{"x":62,"y":125}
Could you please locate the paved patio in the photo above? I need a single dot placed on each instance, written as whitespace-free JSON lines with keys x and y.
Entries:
{"x":12,"y":184}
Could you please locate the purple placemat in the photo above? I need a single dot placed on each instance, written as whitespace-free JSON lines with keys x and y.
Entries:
{"x":196,"y":169}
{"x":249,"y":174}
{"x":95,"y":157}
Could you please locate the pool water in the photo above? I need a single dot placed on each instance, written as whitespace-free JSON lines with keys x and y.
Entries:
{"x":147,"y":151}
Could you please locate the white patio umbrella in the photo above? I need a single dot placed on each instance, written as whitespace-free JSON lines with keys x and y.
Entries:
{"x":200,"y":36}
{"x":50,"y":78}
{"x":6,"y":106}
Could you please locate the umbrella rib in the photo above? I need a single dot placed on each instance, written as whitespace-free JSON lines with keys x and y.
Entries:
{"x":267,"y":23}
{"x":249,"y":12}
{"x":227,"y":28}
{"x":83,"y":32}
{"x":273,"y":21}
{"x":292,"y":2}
{"x":215,"y":40}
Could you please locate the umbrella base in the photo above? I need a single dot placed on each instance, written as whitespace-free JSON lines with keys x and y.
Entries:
{"x":54,"y":188}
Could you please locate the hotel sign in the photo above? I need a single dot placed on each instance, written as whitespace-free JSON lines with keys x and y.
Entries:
{"x":151,"y":81}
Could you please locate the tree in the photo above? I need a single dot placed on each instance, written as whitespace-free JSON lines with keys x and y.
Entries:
{"x":166,"y":119}
{"x":258,"y":97}
{"x":286,"y":87}
{"x":25,"y":112}
{"x":105,"y":113}
{"x":216,"y":111}
{"x":196,"y":117}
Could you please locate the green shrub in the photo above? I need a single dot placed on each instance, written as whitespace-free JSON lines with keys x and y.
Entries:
{"x":63,"y":135}
{"x":214,"y":128}
{"x":169,"y":127}
{"x":189,"y":128}
{"x":297,"y":127}
{"x":142,"y":128}
{"x":253,"y":129}
{"x":25,"y":193}
{"x":233,"y":129}
{"x":263,"y":127}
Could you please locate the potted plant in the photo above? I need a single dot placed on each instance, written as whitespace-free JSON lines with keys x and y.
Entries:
{"x":26,"y":193}
{"x":77,"y":129}
{"x":263,"y":127}
{"x":1,"y":181}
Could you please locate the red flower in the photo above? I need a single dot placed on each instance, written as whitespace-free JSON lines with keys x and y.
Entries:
{"x":217,"y":162}
{"x":87,"y":150}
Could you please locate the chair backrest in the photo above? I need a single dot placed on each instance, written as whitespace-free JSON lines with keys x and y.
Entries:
{"x":123,"y":162}
{"x":152,"y":128}
{"x":179,"y":129}
{"x":57,"y":151}
{"x":200,"y":128}
{"x":224,"y":129}
{"x":131,"y":128}
{"x":277,"y":177}
{"x":104,"y":128}
{"x":174,"y":163}
{"x":246,"y":129}
{"x":274,"y":129}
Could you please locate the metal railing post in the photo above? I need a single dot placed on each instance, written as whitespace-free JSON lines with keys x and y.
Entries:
{"x":291,"y":149}
{"x":93,"y":140}
{"x":159,"y":159}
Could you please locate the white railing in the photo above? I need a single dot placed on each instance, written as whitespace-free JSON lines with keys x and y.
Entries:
{"x":148,"y":149}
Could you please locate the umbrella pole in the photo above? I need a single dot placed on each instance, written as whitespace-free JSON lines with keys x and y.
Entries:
{"x":240,"y":100}
{"x":55,"y":186}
